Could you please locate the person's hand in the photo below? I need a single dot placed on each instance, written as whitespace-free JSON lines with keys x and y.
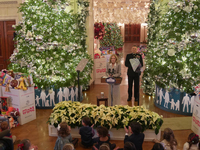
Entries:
{"x":126,"y":130}
{"x":116,"y":148}
{"x":95,"y":148}
{"x":92,"y":126}
{"x":69,"y":128}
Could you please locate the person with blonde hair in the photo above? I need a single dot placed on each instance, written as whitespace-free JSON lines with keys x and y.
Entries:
{"x":68,"y":146}
{"x":113,"y":69}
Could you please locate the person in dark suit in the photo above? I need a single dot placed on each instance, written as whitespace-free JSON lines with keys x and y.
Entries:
{"x":136,"y":137}
{"x":134,"y":63}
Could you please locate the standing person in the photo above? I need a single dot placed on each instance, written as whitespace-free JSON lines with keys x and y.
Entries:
{"x":64,"y":136}
{"x":113,"y":69}
{"x":134,"y":63}
{"x":192,"y":143}
{"x":136,"y":137}
{"x":86,"y":133}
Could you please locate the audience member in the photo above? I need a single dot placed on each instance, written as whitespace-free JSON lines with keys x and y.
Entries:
{"x":169,"y":142}
{"x":68,"y":146}
{"x":192,"y":143}
{"x":102,"y":138}
{"x":64,"y":136}
{"x":86,"y":133}
{"x":136,"y":137}
{"x":157,"y":146}
{"x":25,"y":144}
{"x":128,"y":146}
{"x":4,"y":126}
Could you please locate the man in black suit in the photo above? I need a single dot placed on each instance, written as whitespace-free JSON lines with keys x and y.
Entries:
{"x":134,"y":73}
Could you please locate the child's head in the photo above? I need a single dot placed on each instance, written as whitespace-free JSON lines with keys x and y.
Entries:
{"x":169,"y":136}
{"x":63,"y":129}
{"x":157,"y":146}
{"x":129,"y":146}
{"x":102,"y":131}
{"x":4,"y":125}
{"x":25,"y":144}
{"x":68,"y":146}
{"x":104,"y":146}
{"x":86,"y":121}
{"x":135,"y":127}
{"x":193,"y":139}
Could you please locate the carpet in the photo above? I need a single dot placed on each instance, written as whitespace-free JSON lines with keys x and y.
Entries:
{"x":177,"y":123}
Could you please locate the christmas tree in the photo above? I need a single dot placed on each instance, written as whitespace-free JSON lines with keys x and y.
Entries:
{"x":112,"y":36}
{"x":51,"y":41}
{"x":174,"y":53}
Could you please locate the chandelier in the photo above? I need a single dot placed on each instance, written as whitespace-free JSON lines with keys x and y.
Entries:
{"x":121,"y":11}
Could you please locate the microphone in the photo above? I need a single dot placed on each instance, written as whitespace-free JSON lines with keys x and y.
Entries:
{"x":112,"y":71}
{"x":109,"y":71}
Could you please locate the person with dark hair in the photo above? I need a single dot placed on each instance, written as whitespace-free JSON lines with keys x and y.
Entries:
{"x":134,"y":63}
{"x":86,"y":132}
{"x":192,"y":143}
{"x":64,"y":136}
{"x":25,"y":144}
{"x":136,"y":137}
{"x":4,"y":126}
{"x":157,"y":146}
{"x":102,"y":138}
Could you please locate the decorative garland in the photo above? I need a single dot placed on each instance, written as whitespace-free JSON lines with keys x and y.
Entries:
{"x":99,"y":31}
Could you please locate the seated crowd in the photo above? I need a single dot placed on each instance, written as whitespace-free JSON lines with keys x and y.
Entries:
{"x":102,"y":142}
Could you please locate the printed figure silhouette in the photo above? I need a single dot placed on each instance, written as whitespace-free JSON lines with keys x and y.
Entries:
{"x":177,"y":105}
{"x":186,"y":102}
{"x":43,"y":97}
{"x":172,"y":104}
{"x":37,"y":100}
{"x":166,"y":99}
{"x":192,"y":104}
{"x":157,"y":95}
{"x":60,"y":95}
{"x":161,"y":95}
{"x":52,"y":97}
{"x":66,"y":94}
{"x":72,"y":94}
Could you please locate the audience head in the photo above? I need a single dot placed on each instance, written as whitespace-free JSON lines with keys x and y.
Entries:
{"x":129,"y":146}
{"x":134,"y":49}
{"x":86,"y":121}
{"x":4,"y":125}
{"x":104,"y":146}
{"x":169,"y":136}
{"x":113,"y":59}
{"x":135,"y":127}
{"x":25,"y":144}
{"x":193,"y":139}
{"x":63,"y":129}
{"x":68,"y":146}
{"x":157,"y":146}
{"x":102,"y":131}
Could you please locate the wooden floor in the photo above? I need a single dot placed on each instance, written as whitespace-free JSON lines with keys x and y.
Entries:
{"x":37,"y":130}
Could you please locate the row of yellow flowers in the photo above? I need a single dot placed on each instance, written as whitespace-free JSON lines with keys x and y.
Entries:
{"x":116,"y":116}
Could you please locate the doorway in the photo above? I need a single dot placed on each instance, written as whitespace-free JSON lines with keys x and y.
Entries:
{"x":6,"y":42}
{"x":132,"y":33}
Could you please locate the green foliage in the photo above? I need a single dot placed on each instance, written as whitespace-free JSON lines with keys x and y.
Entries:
{"x":173,"y":46}
{"x":51,"y":40}
{"x":112,"y":36}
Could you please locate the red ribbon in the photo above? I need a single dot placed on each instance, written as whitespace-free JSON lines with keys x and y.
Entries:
{"x":20,"y":146}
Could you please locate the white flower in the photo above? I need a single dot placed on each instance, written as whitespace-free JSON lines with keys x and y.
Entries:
{"x":73,"y":54}
{"x":171,"y":52}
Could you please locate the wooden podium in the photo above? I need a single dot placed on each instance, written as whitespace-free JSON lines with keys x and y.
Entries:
{"x":118,"y":80}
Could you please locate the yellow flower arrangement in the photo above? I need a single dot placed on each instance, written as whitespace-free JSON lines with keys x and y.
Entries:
{"x":111,"y":117}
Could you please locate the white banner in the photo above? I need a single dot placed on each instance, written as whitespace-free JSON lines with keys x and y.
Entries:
{"x":100,"y":67}
{"x":196,"y":116}
{"x":24,"y":102}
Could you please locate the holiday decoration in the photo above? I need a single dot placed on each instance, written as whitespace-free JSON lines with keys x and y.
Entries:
{"x":51,"y":41}
{"x":99,"y":30}
{"x":112,"y":36}
{"x":21,"y":84}
{"x":173,"y":46}
{"x":134,"y":12}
